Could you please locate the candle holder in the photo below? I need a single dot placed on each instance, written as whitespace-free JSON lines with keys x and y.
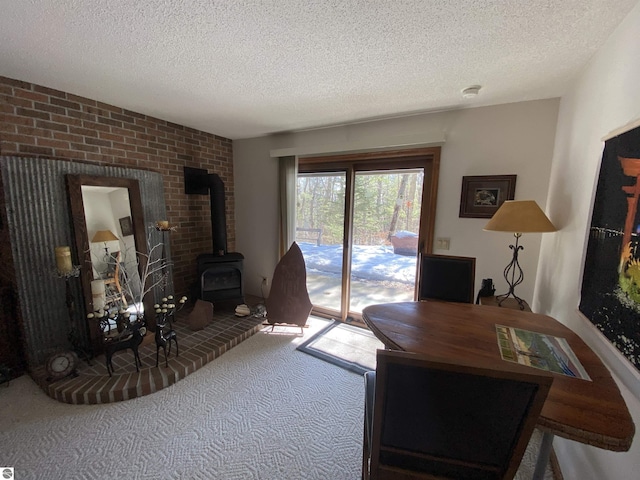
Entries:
{"x":163,"y":227}
{"x":117,"y":325}
{"x":166,"y":310}
{"x":73,"y":336}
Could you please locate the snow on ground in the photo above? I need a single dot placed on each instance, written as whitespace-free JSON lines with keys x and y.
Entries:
{"x":369,"y":262}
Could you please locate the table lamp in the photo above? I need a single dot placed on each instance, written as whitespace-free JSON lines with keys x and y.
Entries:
{"x":517,"y":217}
{"x":104,"y":236}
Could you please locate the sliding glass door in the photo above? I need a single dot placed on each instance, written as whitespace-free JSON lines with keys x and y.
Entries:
{"x":361,"y":222}
{"x":384,"y":247}
{"x":320,"y":235}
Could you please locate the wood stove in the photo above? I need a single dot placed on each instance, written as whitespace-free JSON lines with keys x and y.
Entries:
{"x":221,"y":278}
{"x":219,"y":272}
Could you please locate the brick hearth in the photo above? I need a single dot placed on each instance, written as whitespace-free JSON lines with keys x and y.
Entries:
{"x":94,"y":385}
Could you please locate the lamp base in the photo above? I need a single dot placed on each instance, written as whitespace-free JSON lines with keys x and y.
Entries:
{"x":501,"y":298}
{"x":513,"y":275}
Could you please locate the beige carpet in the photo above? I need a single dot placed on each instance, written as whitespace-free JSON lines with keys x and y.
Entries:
{"x":261,"y":411}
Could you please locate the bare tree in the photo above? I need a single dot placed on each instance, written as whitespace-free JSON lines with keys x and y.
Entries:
{"x":399,"y":201}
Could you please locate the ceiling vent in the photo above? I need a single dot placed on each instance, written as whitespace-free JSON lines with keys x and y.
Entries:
{"x":471,"y":92}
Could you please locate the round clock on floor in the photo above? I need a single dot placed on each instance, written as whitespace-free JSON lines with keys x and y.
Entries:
{"x":61,"y":364}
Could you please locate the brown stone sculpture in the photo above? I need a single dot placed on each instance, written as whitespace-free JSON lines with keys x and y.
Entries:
{"x":200,"y":316}
{"x":288,"y":301}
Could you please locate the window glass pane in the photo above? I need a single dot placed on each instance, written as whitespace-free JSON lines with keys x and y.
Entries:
{"x":385,"y":237}
{"x":320,"y":234}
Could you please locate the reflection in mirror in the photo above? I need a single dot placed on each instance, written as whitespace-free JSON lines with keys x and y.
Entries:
{"x":107,"y":220}
{"x":113,"y":247}
{"x":100,"y":207}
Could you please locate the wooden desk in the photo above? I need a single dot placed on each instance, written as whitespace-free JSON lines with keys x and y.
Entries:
{"x":508,"y":303}
{"x":591,"y":412}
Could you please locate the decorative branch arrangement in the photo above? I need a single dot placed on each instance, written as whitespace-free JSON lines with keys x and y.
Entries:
{"x":136,"y":284}
{"x":134,"y":280}
{"x":154,"y":274}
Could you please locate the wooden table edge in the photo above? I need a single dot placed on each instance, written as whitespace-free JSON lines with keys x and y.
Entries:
{"x":615,"y":444}
{"x":585,"y":437}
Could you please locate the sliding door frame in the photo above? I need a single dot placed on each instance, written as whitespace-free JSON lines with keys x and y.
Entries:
{"x":426,"y":158}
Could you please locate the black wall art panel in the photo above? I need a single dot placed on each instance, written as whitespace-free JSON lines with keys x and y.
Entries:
{"x":610,"y":296}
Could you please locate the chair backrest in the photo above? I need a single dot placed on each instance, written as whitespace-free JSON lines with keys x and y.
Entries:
{"x":448,"y":278}
{"x":451,"y":420}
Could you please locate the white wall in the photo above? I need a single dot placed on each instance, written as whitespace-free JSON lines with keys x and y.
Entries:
{"x":506,"y":139}
{"x":605,"y":97}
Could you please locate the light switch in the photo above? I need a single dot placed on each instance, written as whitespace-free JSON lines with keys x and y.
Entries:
{"x":443,"y":243}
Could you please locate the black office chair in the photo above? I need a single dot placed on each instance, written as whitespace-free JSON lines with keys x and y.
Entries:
{"x":447,"y":278}
{"x":429,"y":419}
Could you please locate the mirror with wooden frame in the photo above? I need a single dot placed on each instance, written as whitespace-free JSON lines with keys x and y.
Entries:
{"x":108,"y":223}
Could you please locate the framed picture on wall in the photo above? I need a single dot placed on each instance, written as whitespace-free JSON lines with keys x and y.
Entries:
{"x":126,"y":226}
{"x":482,"y":195}
{"x":610,"y":294}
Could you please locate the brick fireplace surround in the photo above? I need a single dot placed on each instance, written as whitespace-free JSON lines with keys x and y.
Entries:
{"x":36,"y":121}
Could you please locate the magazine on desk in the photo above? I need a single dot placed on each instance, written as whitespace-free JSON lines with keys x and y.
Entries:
{"x":539,"y":350}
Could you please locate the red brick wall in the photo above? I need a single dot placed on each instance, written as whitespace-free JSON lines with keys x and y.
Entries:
{"x":37,"y":121}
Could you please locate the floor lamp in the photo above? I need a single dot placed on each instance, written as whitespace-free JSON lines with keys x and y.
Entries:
{"x":517,"y":217}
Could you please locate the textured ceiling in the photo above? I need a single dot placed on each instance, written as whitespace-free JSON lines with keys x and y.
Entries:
{"x":242,"y":69}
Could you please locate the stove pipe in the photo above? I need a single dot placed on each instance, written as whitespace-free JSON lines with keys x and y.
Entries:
{"x":198,"y":181}
{"x":218,"y":215}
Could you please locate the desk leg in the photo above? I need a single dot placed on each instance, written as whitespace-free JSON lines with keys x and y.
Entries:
{"x":543,"y":456}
